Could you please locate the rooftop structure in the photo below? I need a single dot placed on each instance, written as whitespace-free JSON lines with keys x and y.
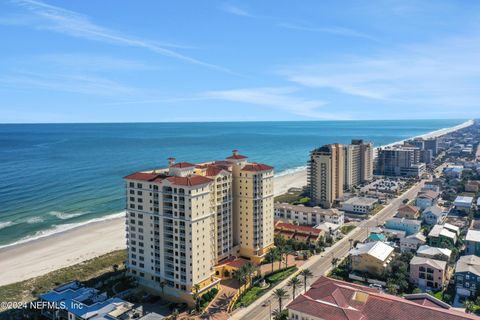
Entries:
{"x":331,"y":299}
{"x":304,"y":215}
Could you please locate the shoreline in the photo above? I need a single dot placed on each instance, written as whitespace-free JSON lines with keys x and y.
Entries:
{"x":33,"y":257}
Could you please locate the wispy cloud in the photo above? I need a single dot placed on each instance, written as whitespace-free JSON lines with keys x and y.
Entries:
{"x":281,"y":98}
{"x":346,"y":32}
{"x":236,"y":10}
{"x":64,"y":21}
{"x":79,"y":83}
{"x":444,"y":73}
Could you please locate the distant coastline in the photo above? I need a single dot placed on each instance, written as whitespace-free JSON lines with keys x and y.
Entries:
{"x":72,"y":243}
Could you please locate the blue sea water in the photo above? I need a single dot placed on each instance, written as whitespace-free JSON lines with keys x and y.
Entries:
{"x":56,"y":176}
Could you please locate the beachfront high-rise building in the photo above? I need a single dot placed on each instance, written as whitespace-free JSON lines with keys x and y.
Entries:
{"x":326,"y":174}
{"x":185,"y":219}
{"x":358,"y":163}
{"x":399,"y":161}
{"x":335,"y":167}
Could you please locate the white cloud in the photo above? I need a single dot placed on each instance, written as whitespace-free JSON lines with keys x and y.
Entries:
{"x":445,"y":73}
{"x":341,"y":31}
{"x":78,"y":83}
{"x":64,"y":21}
{"x":236,"y":10}
{"x":280,"y":98}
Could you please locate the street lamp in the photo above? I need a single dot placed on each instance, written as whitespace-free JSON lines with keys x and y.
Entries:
{"x":269,"y":303}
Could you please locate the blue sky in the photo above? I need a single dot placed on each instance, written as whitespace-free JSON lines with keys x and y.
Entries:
{"x":135,"y":61}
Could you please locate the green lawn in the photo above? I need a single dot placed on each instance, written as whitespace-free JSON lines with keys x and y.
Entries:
{"x":280,"y":275}
{"x":97,"y":267}
{"x":256,"y":292}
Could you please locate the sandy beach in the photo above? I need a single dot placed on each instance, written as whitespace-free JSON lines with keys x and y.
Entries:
{"x":37,"y":257}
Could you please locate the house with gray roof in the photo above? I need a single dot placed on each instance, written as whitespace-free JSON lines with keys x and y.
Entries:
{"x":467,"y":275}
{"x":434,"y":215}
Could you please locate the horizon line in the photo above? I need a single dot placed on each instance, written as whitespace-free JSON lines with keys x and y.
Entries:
{"x":232,"y":121}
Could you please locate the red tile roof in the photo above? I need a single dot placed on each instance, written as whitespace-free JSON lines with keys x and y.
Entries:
{"x":182,"y":165}
{"x":295,"y":228}
{"x":237,"y":157}
{"x":408,"y":208}
{"x":233,"y":262}
{"x":213,"y":170}
{"x":189,"y":181}
{"x":257,"y":167}
{"x":144,"y":176}
{"x":332,"y":299}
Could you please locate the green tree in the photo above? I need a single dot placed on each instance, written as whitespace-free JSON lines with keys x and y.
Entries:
{"x":162,"y":285}
{"x":196,"y":296}
{"x":272,"y":256}
{"x":306,"y":274}
{"x":280,"y":294}
{"x":280,"y":315}
{"x":294,"y":283}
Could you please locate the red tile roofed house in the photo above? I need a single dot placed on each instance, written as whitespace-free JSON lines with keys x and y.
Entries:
{"x":182,"y":165}
{"x":145,"y":176}
{"x":236,"y":156}
{"x":257,"y":167}
{"x":189,"y":181}
{"x":300,"y":233}
{"x":330,"y":299}
{"x":408,"y":212}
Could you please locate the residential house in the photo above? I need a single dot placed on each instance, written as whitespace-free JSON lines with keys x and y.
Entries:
{"x":426,"y":199}
{"x":408,"y":212}
{"x":434,"y":186}
{"x":331,"y":299}
{"x":402,"y":224}
{"x":426,"y":251}
{"x":472,"y":242}
{"x":472,"y":186}
{"x":299,"y":233}
{"x":360,"y":205}
{"x":412,"y":242}
{"x":463,"y":204}
{"x":467,"y":275}
{"x":434,"y":215}
{"x":441,"y":237}
{"x":453,"y":171}
{"x":372,"y":257}
{"x":75,"y":301}
{"x":428,"y":273}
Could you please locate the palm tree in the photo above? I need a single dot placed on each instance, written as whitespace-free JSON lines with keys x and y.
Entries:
{"x":306,"y":274}
{"x":196,"y":296}
{"x":175,"y":314}
{"x":294,"y":283}
{"x":241,"y":277}
{"x":162,"y":285}
{"x":271,"y":256}
{"x":280,"y":294}
{"x":280,"y":315}
{"x":283,"y":251}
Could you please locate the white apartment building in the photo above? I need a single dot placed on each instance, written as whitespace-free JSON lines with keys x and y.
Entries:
{"x":309,"y":216}
{"x":184,"y":219}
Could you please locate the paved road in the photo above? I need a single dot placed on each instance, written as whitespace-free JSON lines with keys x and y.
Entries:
{"x":322,"y":264}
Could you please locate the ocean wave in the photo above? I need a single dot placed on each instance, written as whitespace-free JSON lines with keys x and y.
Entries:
{"x":290,"y":171}
{"x":62,"y":228}
{"x":6,"y":224}
{"x":34,"y":220}
{"x":65,"y":216}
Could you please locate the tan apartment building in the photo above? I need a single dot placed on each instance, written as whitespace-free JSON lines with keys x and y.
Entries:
{"x":336,"y":167}
{"x":371,"y":257}
{"x":326,"y":174}
{"x":185,"y":219}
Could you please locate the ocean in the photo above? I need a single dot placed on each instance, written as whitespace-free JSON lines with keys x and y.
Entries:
{"x":57,"y":176}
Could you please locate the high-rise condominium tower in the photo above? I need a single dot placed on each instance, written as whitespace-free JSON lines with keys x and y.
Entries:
{"x":184,"y":219}
{"x":335,"y":167}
